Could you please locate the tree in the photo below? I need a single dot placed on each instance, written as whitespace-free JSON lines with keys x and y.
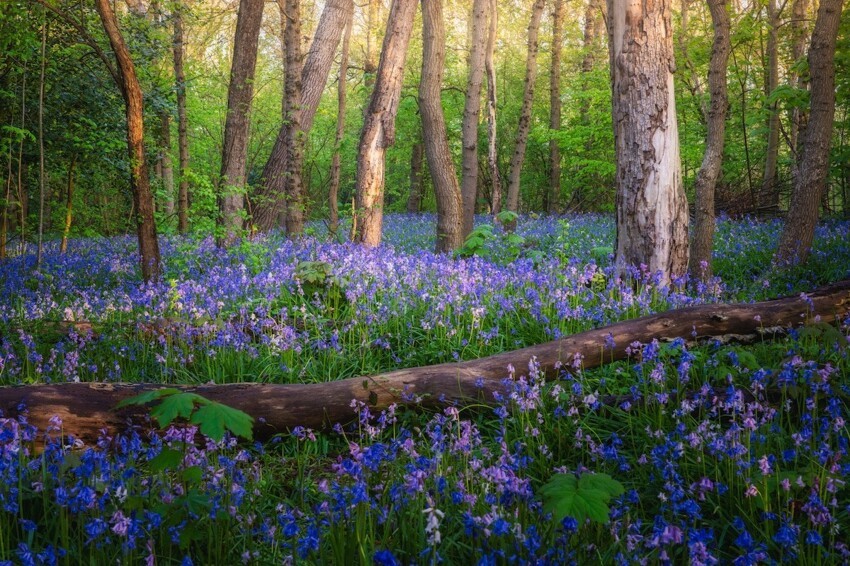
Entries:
{"x":652,"y":211}
{"x":490,"y":69}
{"x":553,"y":196}
{"x":128,"y":83}
{"x":379,"y":125}
{"x":333,"y":190}
{"x":525,"y":114}
{"x":449,"y":234}
{"x":770,"y":180}
{"x":240,"y":94}
{"x":703,"y":237}
{"x":472,"y":113}
{"x":182,"y":124}
{"x":810,"y":184}
{"x":269,"y":198}
{"x":294,"y":162}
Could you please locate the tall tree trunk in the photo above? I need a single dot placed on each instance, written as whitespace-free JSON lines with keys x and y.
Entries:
{"x":799,"y":33}
{"x":69,"y":205}
{"x":139,"y":180}
{"x":370,"y":59}
{"x":490,"y":69}
{"x":379,"y":125}
{"x":341,"y":94}
{"x":269,"y":197}
{"x":798,"y":234}
{"x":292,"y":181}
{"x":166,"y":169}
{"x":472,"y":114}
{"x":554,"y":195}
{"x":518,"y":157}
{"x":240,"y":94}
{"x":182,"y":125}
{"x":435,"y":137}
{"x":770,"y":180}
{"x":703,"y":237}
{"x":414,"y":199}
{"x":41,"y":183}
{"x":652,"y":211}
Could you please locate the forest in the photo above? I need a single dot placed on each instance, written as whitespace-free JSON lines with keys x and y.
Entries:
{"x":418,"y":282}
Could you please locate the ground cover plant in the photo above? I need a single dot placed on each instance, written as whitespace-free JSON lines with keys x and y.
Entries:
{"x":703,"y":453}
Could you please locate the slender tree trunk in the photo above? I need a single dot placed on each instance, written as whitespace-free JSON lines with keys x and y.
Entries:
{"x":21,"y":194}
{"x":139,"y":180}
{"x":437,"y":152}
{"x":69,"y":205}
{"x":379,"y":125}
{"x":799,"y":33}
{"x":182,"y":125}
{"x":518,"y":157}
{"x":4,"y":219}
{"x":472,"y":113}
{"x":770,"y":180}
{"x":341,"y":93}
{"x":370,"y":59}
{"x":414,"y":199}
{"x":240,"y":94}
{"x":490,"y":69}
{"x":554,"y":195}
{"x":652,"y":211}
{"x":269,"y":198}
{"x":798,"y":234}
{"x":703,"y":238}
{"x":41,"y":183}
{"x":293,"y":183}
{"x":167,"y":171}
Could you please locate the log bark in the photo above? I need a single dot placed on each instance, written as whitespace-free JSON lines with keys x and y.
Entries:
{"x":87,"y":408}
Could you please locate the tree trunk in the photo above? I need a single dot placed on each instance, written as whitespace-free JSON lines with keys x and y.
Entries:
{"x":472,"y":114}
{"x":435,"y":137}
{"x":379,"y":124}
{"x":518,"y":157}
{"x":41,"y":181}
{"x":798,"y":234}
{"x":554,"y":194}
{"x":240,"y":95}
{"x":269,"y":198}
{"x":341,"y":93}
{"x":770,"y":180}
{"x":370,"y":59}
{"x":167,"y":171}
{"x":652,"y":210}
{"x":139,"y":180}
{"x":87,"y":408}
{"x":492,"y":155}
{"x":799,"y":33}
{"x":703,"y":238}
{"x":292,"y":181}
{"x":69,"y":206}
{"x":414,"y":199}
{"x":182,"y":125}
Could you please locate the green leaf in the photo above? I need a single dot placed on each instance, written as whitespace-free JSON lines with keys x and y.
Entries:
{"x":147,"y":397}
{"x":192,"y":475}
{"x":215,"y":418}
{"x":177,"y":405}
{"x":167,"y":459}
{"x":582,"y":498}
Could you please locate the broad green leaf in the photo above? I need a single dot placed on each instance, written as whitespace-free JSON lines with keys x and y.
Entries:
{"x":167,"y":459}
{"x":147,"y":397}
{"x":177,"y":405}
{"x":582,"y":498}
{"x":215,"y":418}
{"x":192,"y":474}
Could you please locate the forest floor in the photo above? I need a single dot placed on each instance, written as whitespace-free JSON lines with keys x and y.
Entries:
{"x":729,"y":452}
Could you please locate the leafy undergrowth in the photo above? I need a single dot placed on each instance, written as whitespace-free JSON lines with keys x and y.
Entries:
{"x":716,"y":453}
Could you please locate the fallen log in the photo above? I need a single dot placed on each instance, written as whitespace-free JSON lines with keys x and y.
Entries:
{"x":87,"y":408}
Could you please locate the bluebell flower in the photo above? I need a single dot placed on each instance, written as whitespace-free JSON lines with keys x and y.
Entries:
{"x":385,"y":558}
